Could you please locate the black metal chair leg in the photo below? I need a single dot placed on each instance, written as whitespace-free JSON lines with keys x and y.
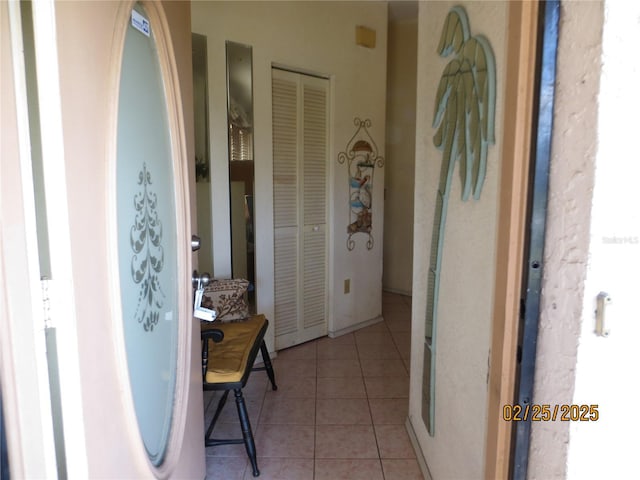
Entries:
{"x":219,"y":408}
{"x":247,"y":435}
{"x":267,"y":365}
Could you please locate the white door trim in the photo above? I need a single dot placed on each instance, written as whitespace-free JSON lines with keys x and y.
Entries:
{"x":26,"y":394}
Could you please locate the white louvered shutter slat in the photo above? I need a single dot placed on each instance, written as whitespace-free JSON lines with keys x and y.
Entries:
{"x":285,"y":200}
{"x":315,"y":154}
{"x":285,"y":153}
{"x":314,"y":267}
{"x":286,"y":284}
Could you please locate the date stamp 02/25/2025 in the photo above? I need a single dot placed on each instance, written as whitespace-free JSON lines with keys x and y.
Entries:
{"x":550,"y":413}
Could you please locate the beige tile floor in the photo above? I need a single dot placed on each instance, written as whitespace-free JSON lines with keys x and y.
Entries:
{"x":338,"y":413}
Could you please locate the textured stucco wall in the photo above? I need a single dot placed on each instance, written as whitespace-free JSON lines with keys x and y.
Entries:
{"x":607,"y":367}
{"x":574,"y":147}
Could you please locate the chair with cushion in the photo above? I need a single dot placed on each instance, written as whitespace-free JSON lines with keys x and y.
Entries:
{"x":229,"y":351}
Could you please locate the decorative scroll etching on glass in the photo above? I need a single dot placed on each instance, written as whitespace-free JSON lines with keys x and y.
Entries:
{"x":464,"y":117}
{"x":148,"y":254}
{"x":361,"y":156}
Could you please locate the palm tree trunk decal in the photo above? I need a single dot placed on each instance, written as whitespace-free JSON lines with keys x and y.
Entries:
{"x":464,"y":117}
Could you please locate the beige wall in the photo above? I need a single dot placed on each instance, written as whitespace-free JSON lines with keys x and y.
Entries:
{"x":316,"y":37}
{"x":400,"y":155}
{"x":468,"y":267}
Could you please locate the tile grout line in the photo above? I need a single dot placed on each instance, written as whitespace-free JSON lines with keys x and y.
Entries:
{"x":315,"y":420}
{"x":373,"y":427}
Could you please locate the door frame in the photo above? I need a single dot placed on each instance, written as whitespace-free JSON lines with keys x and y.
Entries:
{"x":521,"y":68}
{"x":533,"y":263}
{"x":61,"y":293}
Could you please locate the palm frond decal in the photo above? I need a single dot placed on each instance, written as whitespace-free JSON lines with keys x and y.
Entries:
{"x":464,"y":118}
{"x":465,"y":102}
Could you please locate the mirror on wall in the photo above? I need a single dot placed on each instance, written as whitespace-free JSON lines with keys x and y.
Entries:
{"x":202,"y":157}
{"x":241,"y":171}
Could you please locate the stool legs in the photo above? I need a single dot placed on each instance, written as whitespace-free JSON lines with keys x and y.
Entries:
{"x":247,"y":435}
{"x":221,"y":403}
{"x":267,"y":365}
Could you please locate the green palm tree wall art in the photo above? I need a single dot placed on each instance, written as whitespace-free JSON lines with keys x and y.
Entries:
{"x":464,"y":117}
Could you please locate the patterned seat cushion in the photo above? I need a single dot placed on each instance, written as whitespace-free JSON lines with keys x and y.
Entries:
{"x":227,"y":297}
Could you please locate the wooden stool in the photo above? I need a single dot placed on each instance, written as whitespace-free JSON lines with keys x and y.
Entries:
{"x":229,"y":351}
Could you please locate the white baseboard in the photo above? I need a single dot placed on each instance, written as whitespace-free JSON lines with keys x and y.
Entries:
{"x":398,"y":291}
{"x":357,"y":326}
{"x":416,"y":446}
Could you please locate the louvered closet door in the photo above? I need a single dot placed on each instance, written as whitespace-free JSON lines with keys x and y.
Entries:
{"x":285,"y":203}
{"x":300,"y":116}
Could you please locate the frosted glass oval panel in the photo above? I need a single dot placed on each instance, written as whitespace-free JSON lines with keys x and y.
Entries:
{"x":146,"y":216}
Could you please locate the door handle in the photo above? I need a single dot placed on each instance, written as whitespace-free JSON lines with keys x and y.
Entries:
{"x":198,"y":280}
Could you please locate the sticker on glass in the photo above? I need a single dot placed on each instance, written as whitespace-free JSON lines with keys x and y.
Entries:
{"x":140,"y":23}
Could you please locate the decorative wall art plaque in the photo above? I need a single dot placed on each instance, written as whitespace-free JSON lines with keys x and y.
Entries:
{"x":464,"y":118}
{"x":361,"y":156}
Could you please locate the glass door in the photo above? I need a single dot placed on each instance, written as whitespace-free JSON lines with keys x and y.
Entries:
{"x":147,"y":235}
